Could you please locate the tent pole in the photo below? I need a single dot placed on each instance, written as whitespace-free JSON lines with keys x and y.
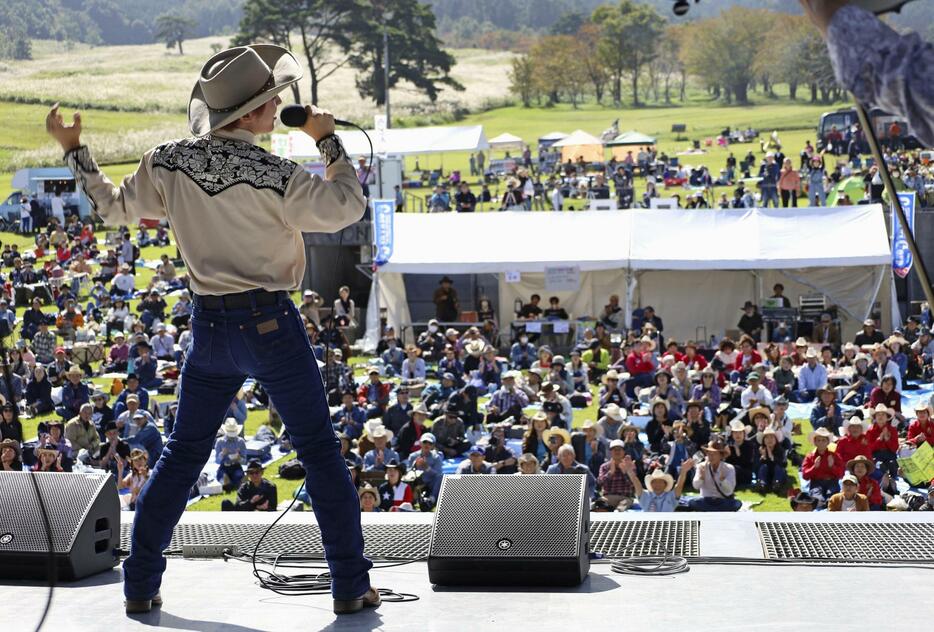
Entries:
{"x":896,"y":203}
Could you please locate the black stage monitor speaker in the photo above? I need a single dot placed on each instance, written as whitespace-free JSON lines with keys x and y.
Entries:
{"x":84,"y":512}
{"x":511,"y":530}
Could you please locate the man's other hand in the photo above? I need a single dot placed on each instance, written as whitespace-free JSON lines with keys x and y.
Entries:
{"x":68,"y":136}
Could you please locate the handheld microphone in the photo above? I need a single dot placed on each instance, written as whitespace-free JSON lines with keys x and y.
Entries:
{"x":295,"y":116}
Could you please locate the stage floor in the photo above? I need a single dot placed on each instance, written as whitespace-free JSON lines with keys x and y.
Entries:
{"x":216,"y":595}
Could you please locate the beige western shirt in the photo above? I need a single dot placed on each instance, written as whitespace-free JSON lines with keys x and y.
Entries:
{"x":237,"y":211}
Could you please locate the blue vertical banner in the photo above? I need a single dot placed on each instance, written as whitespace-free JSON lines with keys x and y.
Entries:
{"x":901,"y":255}
{"x":383,"y":212}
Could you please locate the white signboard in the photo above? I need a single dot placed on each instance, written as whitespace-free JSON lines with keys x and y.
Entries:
{"x":513,"y":276}
{"x":562,"y":279}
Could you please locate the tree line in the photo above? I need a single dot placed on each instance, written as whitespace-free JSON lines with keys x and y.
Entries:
{"x":630,"y":49}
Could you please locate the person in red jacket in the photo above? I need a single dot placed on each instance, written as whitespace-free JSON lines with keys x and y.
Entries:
{"x":748,"y":357}
{"x":671,"y":349}
{"x":855,"y":442}
{"x":822,"y":469}
{"x":883,"y":437}
{"x":641,"y":366}
{"x":693,"y":360}
{"x":921,"y":429}
{"x":861,"y":468}
{"x":374,"y":394}
{"x":886,"y":394}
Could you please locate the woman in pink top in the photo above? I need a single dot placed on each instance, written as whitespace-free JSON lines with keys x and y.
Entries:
{"x":789,"y":183}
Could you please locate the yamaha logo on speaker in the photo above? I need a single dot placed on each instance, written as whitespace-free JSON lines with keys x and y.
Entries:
{"x":6,"y":538}
{"x":504,"y":545}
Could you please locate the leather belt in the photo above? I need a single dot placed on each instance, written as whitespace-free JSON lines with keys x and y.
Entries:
{"x":242,"y":300}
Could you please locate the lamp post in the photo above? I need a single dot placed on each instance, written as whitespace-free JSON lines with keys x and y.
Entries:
{"x":387,"y":16}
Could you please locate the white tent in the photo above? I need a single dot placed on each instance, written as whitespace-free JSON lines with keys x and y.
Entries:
{"x":696,"y":267}
{"x":396,"y":141}
{"x":507,"y":142}
{"x":580,"y":144}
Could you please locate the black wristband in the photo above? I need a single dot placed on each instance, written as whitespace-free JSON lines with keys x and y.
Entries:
{"x":331,"y":149}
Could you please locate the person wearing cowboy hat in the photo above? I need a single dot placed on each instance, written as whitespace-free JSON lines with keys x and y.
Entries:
{"x":349,"y":417}
{"x":742,"y":454}
{"x":74,"y":393}
{"x":854,"y":441}
{"x":255,"y":493}
{"x":822,"y":468}
{"x":427,"y":460}
{"x":508,"y":400}
{"x":661,"y":492}
{"x":394,"y":492}
{"x":771,"y":475}
{"x":862,"y":467}
{"x":447,"y":305}
{"x":565,"y":463}
{"x":413,"y":367}
{"x":234,"y":100}
{"x":554,"y":437}
{"x":449,"y":431}
{"x":862,"y":382}
{"x":553,"y":401}
{"x":11,"y":456}
{"x":381,"y":454}
{"x":408,"y":438}
{"x":369,"y":499}
{"x":921,"y":428}
{"x":611,"y":392}
{"x":869,"y":334}
{"x":590,"y":447}
{"x":229,"y":455}
{"x":849,"y":499}
{"x":826,"y":413}
{"x":50,"y":459}
{"x":617,"y":488}
{"x":715,"y":480}
{"x":883,"y":441}
{"x":811,"y":377}
{"x":803,"y":501}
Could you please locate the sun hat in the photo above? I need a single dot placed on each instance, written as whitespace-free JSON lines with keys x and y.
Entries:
{"x":801,"y":342}
{"x":614,"y":412}
{"x":236,"y":81}
{"x":660,"y":475}
{"x":612,"y":374}
{"x":811,"y":353}
{"x":803,"y":498}
{"x":231,"y":427}
{"x":658,"y":400}
{"x":883,"y":409}
{"x":421,"y":409}
{"x":648,"y":340}
{"x":555,"y":430}
{"x":869,"y":463}
{"x":13,"y":445}
{"x":369,"y":489}
{"x":716,"y":445}
{"x":380,"y":432}
{"x":617,"y":443}
{"x":738,"y":426}
{"x":591,"y":424}
{"x":822,"y":432}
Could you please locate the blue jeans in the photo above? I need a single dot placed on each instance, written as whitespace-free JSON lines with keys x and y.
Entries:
{"x":699,"y":503}
{"x":270,"y":344}
{"x":234,"y":473}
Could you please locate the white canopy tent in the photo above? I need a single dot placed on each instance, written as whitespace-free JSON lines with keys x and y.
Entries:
{"x":580,"y":144}
{"x":506,"y":142}
{"x":394,"y":141}
{"x":696,"y":267}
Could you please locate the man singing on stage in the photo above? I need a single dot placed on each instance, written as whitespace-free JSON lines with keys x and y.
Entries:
{"x":238,"y":214}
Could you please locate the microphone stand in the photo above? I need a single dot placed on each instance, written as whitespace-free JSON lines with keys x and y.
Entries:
{"x":896,"y":203}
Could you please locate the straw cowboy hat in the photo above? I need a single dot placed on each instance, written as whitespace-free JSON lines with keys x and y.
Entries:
{"x":658,"y":400}
{"x":590,"y":424}
{"x":369,"y":489}
{"x":555,"y":430}
{"x":236,"y":81}
{"x":660,"y":475}
{"x":854,"y":420}
{"x":716,"y":445}
{"x":474,"y":347}
{"x":822,"y":432}
{"x":13,"y":445}
{"x":870,"y":465}
{"x":612,"y":374}
{"x":883,"y":410}
{"x":614,"y":412}
{"x":738,"y":426}
{"x":648,"y":340}
{"x":421,"y":409}
{"x":381,"y":431}
{"x":759,"y":410}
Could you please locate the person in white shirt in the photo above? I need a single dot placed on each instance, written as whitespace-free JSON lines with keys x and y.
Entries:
{"x":557,"y":199}
{"x":163,"y":344}
{"x":25,"y":218}
{"x":124,"y":283}
{"x":58,"y":208}
{"x":755,"y":394}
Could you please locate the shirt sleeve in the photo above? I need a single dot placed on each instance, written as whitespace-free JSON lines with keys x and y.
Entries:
{"x":135,"y":199}
{"x":325,"y":205}
{"x":883,"y":68}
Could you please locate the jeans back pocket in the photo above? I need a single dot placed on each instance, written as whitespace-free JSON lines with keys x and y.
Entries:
{"x":274,"y":337}
{"x":200,"y":350}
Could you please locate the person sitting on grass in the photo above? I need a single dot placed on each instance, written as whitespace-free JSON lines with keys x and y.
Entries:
{"x":475,"y":463}
{"x":131,"y":387}
{"x":715,"y":480}
{"x":255,"y":493}
{"x":229,"y":453}
{"x":742,"y":453}
{"x":145,"y":366}
{"x":854,"y":442}
{"x":350,"y":417}
{"x":921,"y":428}
{"x":74,"y":394}
{"x":394,"y":493}
{"x":617,"y":487}
{"x":147,"y":436}
{"x":658,"y":495}
{"x":369,"y":499}
{"x":136,"y":477}
{"x":822,"y":469}
{"x":861,"y":467}
{"x":883,"y":439}
{"x":772,"y":475}
{"x":849,"y":499}
{"x":381,"y":454}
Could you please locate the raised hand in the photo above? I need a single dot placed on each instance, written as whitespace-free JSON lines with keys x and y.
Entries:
{"x":68,"y":136}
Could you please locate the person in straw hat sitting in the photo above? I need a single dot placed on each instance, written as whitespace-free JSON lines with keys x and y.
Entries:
{"x":742,"y":454}
{"x":854,"y":440}
{"x":381,"y":454}
{"x":883,"y":439}
{"x":862,"y":468}
{"x":921,"y":428}
{"x":715,"y":479}
{"x":822,"y":469}
{"x":657,"y":495}
{"x":230,"y":454}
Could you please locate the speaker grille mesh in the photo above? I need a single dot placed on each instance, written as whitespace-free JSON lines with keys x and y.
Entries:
{"x":507,"y":516}
{"x":67,"y":497}
{"x":624,"y":538}
{"x":908,"y":541}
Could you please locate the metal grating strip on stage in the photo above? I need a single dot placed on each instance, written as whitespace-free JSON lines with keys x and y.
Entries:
{"x":865,"y":541}
{"x":410,"y":541}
